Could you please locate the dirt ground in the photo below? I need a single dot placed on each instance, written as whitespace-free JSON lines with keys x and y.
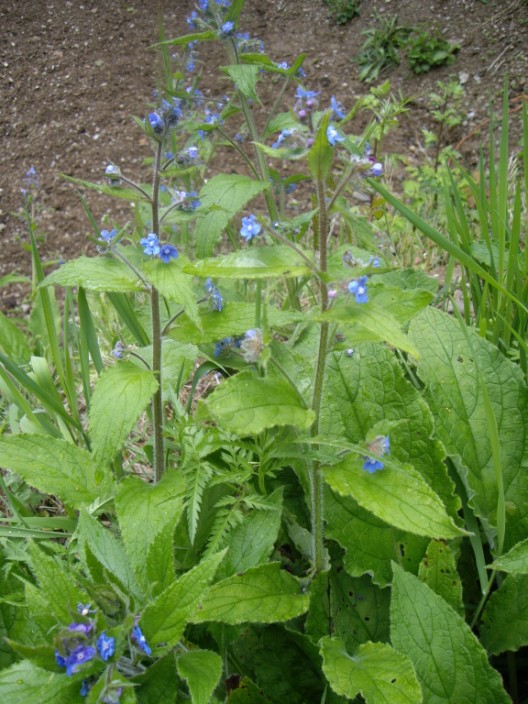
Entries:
{"x":73,"y":73}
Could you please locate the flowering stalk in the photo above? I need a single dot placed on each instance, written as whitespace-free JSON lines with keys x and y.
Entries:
{"x":157,"y":403}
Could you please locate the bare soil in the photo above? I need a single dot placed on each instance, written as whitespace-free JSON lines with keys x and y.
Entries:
{"x":73,"y":73}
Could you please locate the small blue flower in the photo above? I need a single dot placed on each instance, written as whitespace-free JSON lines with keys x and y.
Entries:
{"x":376,"y":170}
{"x":338,"y":112}
{"x":107,"y":235}
{"x":223,"y":3}
{"x":81,"y":654}
{"x":250,"y":227}
{"x":358,"y":288}
{"x":85,"y":609}
{"x":203,"y":5}
{"x":168,"y":252}
{"x":223,"y":345}
{"x":283,"y":137}
{"x":140,"y":640}
{"x":192,"y":152}
{"x":118,"y":350}
{"x":333,"y":135}
{"x":85,"y":688}
{"x":156,"y":122}
{"x":106,"y":646}
{"x":227,"y":29}
{"x":380,"y":446}
{"x":215,"y":299}
{"x":372,"y":465}
{"x":191,"y":20}
{"x":303,"y":94}
{"x":59,"y":659}
{"x":150,"y":244}
{"x":83,"y":628}
{"x":30,"y":180}
{"x":284,"y":65}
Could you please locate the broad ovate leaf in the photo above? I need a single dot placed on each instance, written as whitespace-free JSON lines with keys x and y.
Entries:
{"x":201,"y":669}
{"x":505,"y":618}
{"x":95,"y":274}
{"x":264,"y":262}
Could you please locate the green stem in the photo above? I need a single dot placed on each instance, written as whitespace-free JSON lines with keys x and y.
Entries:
{"x":157,"y":401}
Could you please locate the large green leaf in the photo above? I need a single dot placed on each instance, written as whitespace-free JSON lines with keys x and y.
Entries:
{"x":24,"y":682}
{"x":263,"y":594}
{"x":370,"y":543}
{"x":99,"y":543}
{"x":201,"y":669}
{"x":515,"y":560}
{"x":174,"y":285}
{"x":223,"y":196}
{"x":454,"y":372}
{"x":397,"y":494}
{"x":165,"y":617}
{"x":160,"y":683}
{"x":438,"y":570}
{"x":247,"y":404}
{"x":119,"y":397}
{"x":245,"y":77}
{"x":263,"y":262}
{"x":95,"y":274}
{"x":450,"y":663}
{"x":376,"y":670}
{"x":369,"y":388}
{"x":149,"y":507}
{"x":55,"y":467}
{"x":505,"y":618}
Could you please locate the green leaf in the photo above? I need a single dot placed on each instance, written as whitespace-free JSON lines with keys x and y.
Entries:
{"x":143,"y":511}
{"x":24,"y":682}
{"x":397,"y":494}
{"x":174,"y":285}
{"x":450,"y":663}
{"x":401,"y":304}
{"x":55,"y":467}
{"x":247,"y":404}
{"x":454,"y":381}
{"x":165,"y":617}
{"x":95,"y":274}
{"x":107,"y":550}
{"x":13,"y":342}
{"x":178,"y":361}
{"x":321,"y":154}
{"x":201,"y":669}
{"x":376,"y":671}
{"x":263,"y":594}
{"x":252,"y":263}
{"x":368,"y":322}
{"x":245,"y":77}
{"x":160,"y":560}
{"x":160,"y":683}
{"x":515,"y":561}
{"x":116,"y":191}
{"x":224,"y":195}
{"x":438,"y":570}
{"x":370,"y":543}
{"x":119,"y":397}
{"x":58,"y":587}
{"x":505,"y":619}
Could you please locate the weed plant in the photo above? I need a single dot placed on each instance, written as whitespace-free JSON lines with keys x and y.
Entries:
{"x":247,"y":460}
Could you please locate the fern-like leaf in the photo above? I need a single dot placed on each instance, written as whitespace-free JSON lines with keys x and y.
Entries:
{"x":225,"y":520}
{"x":197,"y":476}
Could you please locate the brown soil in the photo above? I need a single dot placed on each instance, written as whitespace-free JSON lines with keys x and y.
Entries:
{"x":74,"y":73}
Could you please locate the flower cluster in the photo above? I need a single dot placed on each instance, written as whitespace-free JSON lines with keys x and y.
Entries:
{"x":368,"y":164}
{"x":379,"y":446}
{"x":152,"y":247}
{"x":306,"y":102}
{"x":211,"y":14}
{"x":30,"y":181}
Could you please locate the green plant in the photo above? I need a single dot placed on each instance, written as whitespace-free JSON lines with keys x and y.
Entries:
{"x":380,"y":50}
{"x":343,"y":11}
{"x":426,"y":50}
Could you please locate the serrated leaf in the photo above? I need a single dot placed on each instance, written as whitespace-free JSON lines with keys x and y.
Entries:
{"x":143,"y":510}
{"x":401,"y":304}
{"x":159,"y":567}
{"x":264,"y":594}
{"x":515,"y":560}
{"x":245,"y":77}
{"x":438,"y":570}
{"x":370,"y":543}
{"x":160,"y":683}
{"x":24,"y":682}
{"x":375,"y":670}
{"x":454,"y":392}
{"x":174,"y":285}
{"x":55,"y":467}
{"x":109,"y":552}
{"x":201,"y":669}
{"x":450,"y":663}
{"x":165,"y":617}
{"x":225,"y":195}
{"x":252,"y":263}
{"x":321,"y":154}
{"x":397,"y":494}
{"x":247,"y":404}
{"x":95,"y":274}
{"x":120,"y":396}
{"x":505,"y":619}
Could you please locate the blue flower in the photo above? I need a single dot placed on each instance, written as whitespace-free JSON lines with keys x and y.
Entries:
{"x":376,"y":170}
{"x":380,"y":446}
{"x":252,"y":345}
{"x":284,"y":65}
{"x":338,"y":111}
{"x":107,"y":235}
{"x":305,"y":94}
{"x":118,"y":350}
{"x":333,"y":135}
{"x":81,"y":654}
{"x":85,"y":688}
{"x":106,"y":646}
{"x":283,"y":136}
{"x":203,"y":5}
{"x":227,"y":29}
{"x":150,"y":244}
{"x":215,"y":298}
{"x":85,"y":609}
{"x":83,"y":628}
{"x":250,"y":227}
{"x":372,"y":465}
{"x":358,"y":288}
{"x":156,"y":122}
{"x":140,"y":640}
{"x":30,"y":180}
{"x":192,"y":152}
{"x":191,"y":20}
{"x":113,"y":173}
{"x":168,"y":252}
{"x":226,"y":344}
{"x":59,"y":659}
